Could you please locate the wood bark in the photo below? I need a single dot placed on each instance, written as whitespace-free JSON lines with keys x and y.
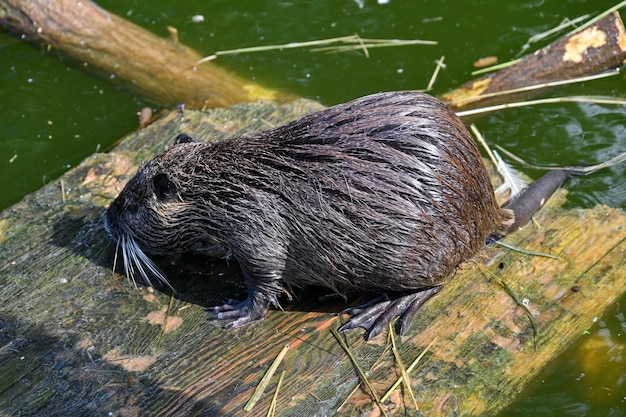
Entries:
{"x":595,"y":49}
{"x":78,"y":339}
{"x":160,"y":69}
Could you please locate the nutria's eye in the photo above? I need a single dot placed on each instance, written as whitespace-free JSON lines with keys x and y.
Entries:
{"x":164,"y":189}
{"x":184,"y":138}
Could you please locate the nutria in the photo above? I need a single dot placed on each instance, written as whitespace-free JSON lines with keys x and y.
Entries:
{"x":385,"y":194}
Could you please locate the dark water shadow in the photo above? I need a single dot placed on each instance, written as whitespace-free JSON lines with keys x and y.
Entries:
{"x":196,"y":279}
{"x":44,"y":375}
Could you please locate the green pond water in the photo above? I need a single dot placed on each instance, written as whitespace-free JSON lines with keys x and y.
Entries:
{"x":53,"y":114}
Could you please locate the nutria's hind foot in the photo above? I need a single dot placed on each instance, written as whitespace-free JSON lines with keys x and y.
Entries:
{"x":376,"y":314}
{"x":239,"y":313}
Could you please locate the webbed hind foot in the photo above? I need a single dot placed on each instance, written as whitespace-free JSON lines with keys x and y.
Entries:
{"x":375,"y":315}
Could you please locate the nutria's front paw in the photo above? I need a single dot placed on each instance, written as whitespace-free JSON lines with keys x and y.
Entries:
{"x":238,"y":312}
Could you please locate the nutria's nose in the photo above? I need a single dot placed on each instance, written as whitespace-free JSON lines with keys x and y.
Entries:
{"x":120,"y":205}
{"x":108,"y":223}
{"x":118,"y":208}
{"x":111,"y":216}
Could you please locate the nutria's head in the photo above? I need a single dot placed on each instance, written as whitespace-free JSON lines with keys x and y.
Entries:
{"x":155,"y":212}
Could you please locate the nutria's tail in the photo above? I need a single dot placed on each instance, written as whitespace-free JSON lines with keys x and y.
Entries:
{"x":532,"y":198}
{"x":525,"y":204}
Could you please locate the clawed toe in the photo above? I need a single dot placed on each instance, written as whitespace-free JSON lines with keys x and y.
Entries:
{"x":364,"y":315}
{"x":375,"y":316}
{"x":238,"y":312}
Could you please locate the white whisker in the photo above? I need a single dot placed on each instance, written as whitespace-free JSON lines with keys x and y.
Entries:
{"x":128,"y":267}
{"x":117,"y":248}
{"x":137,"y":262}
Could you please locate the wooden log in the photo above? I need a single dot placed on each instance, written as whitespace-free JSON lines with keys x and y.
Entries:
{"x":164,"y":70}
{"x":77,"y":339}
{"x":159,"y":69}
{"x":593,"y":50}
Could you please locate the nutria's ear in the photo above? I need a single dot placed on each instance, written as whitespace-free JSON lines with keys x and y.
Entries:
{"x":164,"y":189}
{"x":184,"y":138}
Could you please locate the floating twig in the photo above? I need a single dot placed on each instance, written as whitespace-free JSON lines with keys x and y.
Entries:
{"x":524,"y":251}
{"x":524,"y":306}
{"x":536,"y":87}
{"x":580,"y":170}
{"x":360,"y":371}
{"x":374,"y":366}
{"x":366,"y":44}
{"x":438,"y":67}
{"x":408,"y":370}
{"x":496,"y":67}
{"x":515,"y":297}
{"x":272,"y":410}
{"x":265,"y":380}
{"x":565,"y":23}
{"x":168,"y":312}
{"x":403,"y":372}
{"x":570,"y":99}
{"x":599,"y":17}
{"x":353,"y":42}
{"x":62,"y":191}
{"x":511,"y":180}
{"x":479,"y":137}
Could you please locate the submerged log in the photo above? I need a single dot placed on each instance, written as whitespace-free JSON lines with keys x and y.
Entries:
{"x":165,"y":71}
{"x":593,"y":50}
{"x":77,"y":339}
{"x":159,"y":69}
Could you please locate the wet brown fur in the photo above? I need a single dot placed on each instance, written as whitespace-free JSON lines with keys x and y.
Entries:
{"x":387,"y":193}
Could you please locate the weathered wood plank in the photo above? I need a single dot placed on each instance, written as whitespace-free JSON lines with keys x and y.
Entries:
{"x":76,"y":339}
